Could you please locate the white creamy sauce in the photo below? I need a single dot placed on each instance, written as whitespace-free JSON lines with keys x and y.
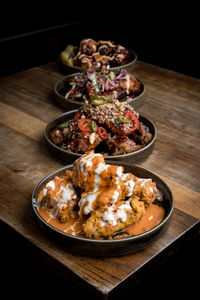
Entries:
{"x":130,"y":186}
{"x":44,"y":191}
{"x":151,"y":217}
{"x":87,"y":200}
{"x":66,"y":194}
{"x":110,"y":216}
{"x":93,"y":79}
{"x":100,"y":168}
{"x":68,"y":93}
{"x":73,"y":228}
{"x":82,"y":164}
{"x":51,"y":185}
{"x":127,"y":83}
{"x":144,"y":180}
{"x":124,"y":177}
{"x":115,"y":196}
{"x":118,"y":174}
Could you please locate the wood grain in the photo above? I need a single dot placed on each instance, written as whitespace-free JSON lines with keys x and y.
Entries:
{"x":26,"y":106}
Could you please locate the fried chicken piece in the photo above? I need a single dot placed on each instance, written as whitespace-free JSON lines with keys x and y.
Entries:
{"x":99,"y":182}
{"x":103,"y":59}
{"x":95,"y":199}
{"x":107,"y":220}
{"x":83,"y":142}
{"x":130,"y":84}
{"x":108,"y":115}
{"x":106,"y":47}
{"x":91,"y":172}
{"x":122,"y":50}
{"x":142,"y":136}
{"x":56,"y":136}
{"x":82,"y":60}
{"x":88,"y":46}
{"x":87,"y":141}
{"x":83,"y":170}
{"x":84,"y":56}
{"x":121,"y":145}
{"x":59,"y":196}
{"x":144,"y":188}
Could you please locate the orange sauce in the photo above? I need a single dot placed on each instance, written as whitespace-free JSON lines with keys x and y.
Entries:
{"x":154,"y":214}
{"x":73,"y":226}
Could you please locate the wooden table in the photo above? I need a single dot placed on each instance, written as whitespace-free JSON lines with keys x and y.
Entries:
{"x":26,"y":106}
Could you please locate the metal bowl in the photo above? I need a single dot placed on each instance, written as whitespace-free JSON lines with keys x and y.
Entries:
{"x":60,"y":91}
{"x":90,"y":247}
{"x":69,"y":157}
{"x":128,"y":66}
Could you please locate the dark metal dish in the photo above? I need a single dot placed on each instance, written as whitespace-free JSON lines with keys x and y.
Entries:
{"x":69,"y":157}
{"x":92,"y":247}
{"x":60,"y":91}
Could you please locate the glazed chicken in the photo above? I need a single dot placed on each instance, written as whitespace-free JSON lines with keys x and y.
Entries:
{"x":121,"y":144}
{"x":88,"y":46}
{"x":109,"y":115}
{"x":104,"y":52}
{"x":111,"y":128}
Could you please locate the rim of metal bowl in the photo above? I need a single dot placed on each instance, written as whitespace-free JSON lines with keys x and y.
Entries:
{"x":106,"y":156}
{"x":136,"y":237}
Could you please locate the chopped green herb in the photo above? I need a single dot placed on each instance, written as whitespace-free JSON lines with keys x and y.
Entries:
{"x":101,"y":98}
{"x":112,"y":75}
{"x":93,"y":126}
{"x":63,"y":125}
{"x":97,"y":102}
{"x":123,"y":120}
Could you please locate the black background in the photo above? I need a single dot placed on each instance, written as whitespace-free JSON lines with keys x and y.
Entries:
{"x":164,"y":35}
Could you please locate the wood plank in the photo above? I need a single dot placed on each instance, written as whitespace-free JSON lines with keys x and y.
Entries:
{"x":24,"y":156}
{"x":30,"y":104}
{"x":169,"y":78}
{"x":180,"y":160}
{"x":21,"y":122}
{"x":35,"y":82}
{"x":174,"y":117}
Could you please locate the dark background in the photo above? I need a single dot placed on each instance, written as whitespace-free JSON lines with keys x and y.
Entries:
{"x":163,"y":35}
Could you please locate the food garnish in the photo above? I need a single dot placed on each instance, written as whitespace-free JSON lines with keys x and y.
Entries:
{"x":102,"y":133}
{"x":101,"y":86}
{"x":114,"y":126}
{"x":84,"y":125}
